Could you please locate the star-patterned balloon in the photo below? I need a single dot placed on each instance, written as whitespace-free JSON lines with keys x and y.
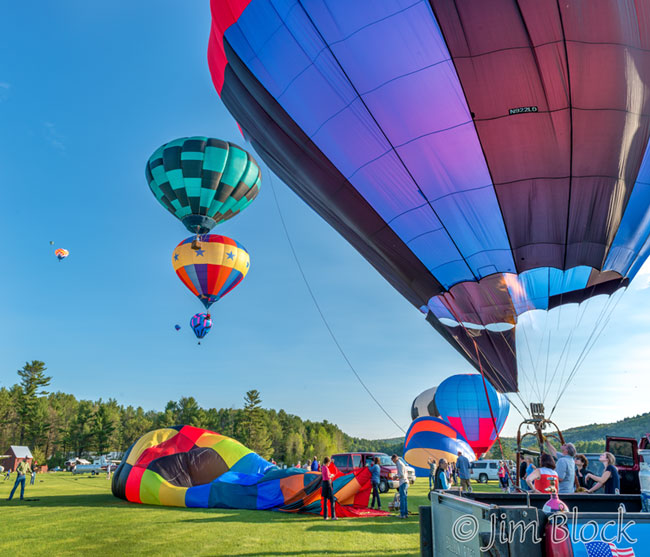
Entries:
{"x":212,"y":271}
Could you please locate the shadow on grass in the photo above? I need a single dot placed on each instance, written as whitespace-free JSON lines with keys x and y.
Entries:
{"x":80,"y":500}
{"x":299,"y":552}
{"x":385,"y":525}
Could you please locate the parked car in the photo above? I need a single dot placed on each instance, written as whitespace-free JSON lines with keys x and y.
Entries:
{"x":349,"y":462}
{"x":630,"y":455}
{"x":91,"y":469}
{"x":484,"y":470}
{"x":56,"y":469}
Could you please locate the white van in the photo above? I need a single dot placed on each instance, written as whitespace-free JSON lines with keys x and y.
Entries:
{"x":483,"y":470}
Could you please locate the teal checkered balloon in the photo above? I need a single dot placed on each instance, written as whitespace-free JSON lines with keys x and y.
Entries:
{"x":203,"y":181}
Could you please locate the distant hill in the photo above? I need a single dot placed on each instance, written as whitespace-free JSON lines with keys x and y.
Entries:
{"x":588,"y":437}
{"x":636,"y":427}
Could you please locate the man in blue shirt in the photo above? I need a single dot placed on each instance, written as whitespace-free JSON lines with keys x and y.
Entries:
{"x":565,"y":467}
{"x":314,"y":465}
{"x":462,"y":464}
{"x":375,"y":471}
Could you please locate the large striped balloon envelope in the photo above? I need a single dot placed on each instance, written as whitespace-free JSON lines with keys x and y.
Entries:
{"x":430,"y":437}
{"x":203,"y":181}
{"x":214,"y":269}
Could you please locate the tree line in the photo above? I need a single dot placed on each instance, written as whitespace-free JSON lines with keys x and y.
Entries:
{"x":57,"y":426}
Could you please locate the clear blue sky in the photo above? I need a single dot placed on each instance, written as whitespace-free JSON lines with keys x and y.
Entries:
{"x":87,"y":92}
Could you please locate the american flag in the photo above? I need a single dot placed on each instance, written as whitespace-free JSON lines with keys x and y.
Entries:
{"x":604,"y":549}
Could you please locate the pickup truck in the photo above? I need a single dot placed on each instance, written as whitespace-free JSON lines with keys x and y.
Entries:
{"x":629,"y":459}
{"x":348,"y":462}
{"x":515,"y":524}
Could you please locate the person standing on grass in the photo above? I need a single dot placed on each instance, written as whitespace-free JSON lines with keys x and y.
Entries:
{"x":327,"y":490}
{"x":23,"y":469}
{"x":432,"y":471}
{"x":402,"y":475}
{"x":31,"y":482}
{"x":8,"y":475}
{"x":375,"y":478}
{"x":462,"y":465}
{"x":441,"y":481}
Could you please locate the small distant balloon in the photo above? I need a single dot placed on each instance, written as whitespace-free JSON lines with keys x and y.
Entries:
{"x":201,"y":324}
{"x":177,"y":327}
{"x":61,"y":254}
{"x":51,"y":243}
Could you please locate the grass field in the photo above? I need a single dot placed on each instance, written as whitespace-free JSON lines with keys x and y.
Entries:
{"x":72,"y":515}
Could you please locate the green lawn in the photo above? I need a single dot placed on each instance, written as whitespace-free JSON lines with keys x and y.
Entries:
{"x":72,"y":515}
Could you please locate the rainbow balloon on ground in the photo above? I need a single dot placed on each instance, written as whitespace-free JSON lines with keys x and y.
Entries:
{"x":433,"y":438}
{"x":185,"y":466}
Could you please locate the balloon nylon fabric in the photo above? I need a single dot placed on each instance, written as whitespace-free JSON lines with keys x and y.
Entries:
{"x":457,"y":146}
{"x":185,"y":466}
{"x":476,"y":410}
{"x":203,"y":181}
{"x":435,"y":438}
{"x":212,"y":271}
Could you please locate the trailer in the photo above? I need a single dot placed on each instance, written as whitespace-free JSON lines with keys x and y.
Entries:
{"x":515,"y":525}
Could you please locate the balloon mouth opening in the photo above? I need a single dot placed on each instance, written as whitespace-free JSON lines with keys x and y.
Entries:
{"x":198,"y":224}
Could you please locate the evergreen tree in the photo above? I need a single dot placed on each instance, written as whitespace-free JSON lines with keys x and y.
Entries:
{"x":32,"y":381}
{"x":103,"y":427}
{"x":255,"y":431}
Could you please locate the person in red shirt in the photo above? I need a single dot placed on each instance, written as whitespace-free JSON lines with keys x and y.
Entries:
{"x":538,"y":480}
{"x":327,"y":491}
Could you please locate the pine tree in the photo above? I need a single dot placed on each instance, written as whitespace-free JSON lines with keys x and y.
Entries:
{"x":256,"y":434}
{"x":102,"y":428}
{"x":32,"y":381}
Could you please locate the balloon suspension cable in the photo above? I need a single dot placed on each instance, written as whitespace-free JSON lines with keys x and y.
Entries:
{"x":487,"y":396}
{"x":480,"y":366}
{"x":320,"y":311}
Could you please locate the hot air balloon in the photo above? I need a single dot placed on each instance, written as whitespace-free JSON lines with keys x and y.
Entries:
{"x":462,"y":401}
{"x":212,"y":271}
{"x":201,"y":324}
{"x":177,"y":327}
{"x":61,"y":254}
{"x":185,"y":466}
{"x":430,"y":437}
{"x":425,"y":404}
{"x":490,"y":159}
{"x":203,"y":181}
